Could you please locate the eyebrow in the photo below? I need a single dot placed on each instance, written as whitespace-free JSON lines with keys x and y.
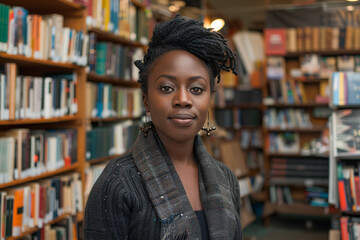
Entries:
{"x":173,"y":78}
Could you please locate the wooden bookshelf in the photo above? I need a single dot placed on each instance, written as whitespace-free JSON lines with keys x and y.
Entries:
{"x":242,"y":106}
{"x":300,"y":130}
{"x":41,"y":176}
{"x":323,"y":53}
{"x":43,"y":6}
{"x":299,"y":105}
{"x":310,"y":79}
{"x":103,"y":159}
{"x":112,"y":119}
{"x":108,"y":36}
{"x":299,"y":208}
{"x":39,"y":121}
{"x":35,"y":229}
{"x":112,"y":80}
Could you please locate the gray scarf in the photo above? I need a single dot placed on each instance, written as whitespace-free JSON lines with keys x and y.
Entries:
{"x":165,"y":190}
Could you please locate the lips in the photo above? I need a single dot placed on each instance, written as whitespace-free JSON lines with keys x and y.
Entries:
{"x":182,"y":119}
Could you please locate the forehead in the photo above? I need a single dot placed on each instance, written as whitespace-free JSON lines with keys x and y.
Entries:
{"x":180,"y":61}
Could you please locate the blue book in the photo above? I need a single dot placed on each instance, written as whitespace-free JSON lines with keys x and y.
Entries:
{"x":100,"y":100}
{"x":335,"y":88}
{"x":353,"y":88}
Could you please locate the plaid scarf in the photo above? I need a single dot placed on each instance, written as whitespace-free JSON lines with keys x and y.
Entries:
{"x":167,"y":194}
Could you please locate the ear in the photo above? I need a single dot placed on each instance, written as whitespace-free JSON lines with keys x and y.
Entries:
{"x":146,"y":103}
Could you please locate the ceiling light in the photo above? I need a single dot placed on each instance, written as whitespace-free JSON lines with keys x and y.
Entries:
{"x":350,"y":8}
{"x":352,"y":0}
{"x":217,"y":24}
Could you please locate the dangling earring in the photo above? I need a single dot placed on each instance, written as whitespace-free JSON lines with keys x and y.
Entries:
{"x":147,"y":125}
{"x":208,"y":129}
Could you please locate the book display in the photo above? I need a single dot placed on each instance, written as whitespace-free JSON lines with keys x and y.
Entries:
{"x":345,"y":150}
{"x":66,"y":80}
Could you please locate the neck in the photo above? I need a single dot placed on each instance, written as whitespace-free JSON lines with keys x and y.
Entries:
{"x":180,"y":152}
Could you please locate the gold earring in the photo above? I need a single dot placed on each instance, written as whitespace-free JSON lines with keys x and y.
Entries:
{"x":147,"y":126}
{"x":208,"y":129}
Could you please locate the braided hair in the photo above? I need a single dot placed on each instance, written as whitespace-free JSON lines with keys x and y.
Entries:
{"x":182,"y":33}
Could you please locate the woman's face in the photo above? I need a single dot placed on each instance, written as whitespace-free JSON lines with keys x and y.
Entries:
{"x":178,"y":95}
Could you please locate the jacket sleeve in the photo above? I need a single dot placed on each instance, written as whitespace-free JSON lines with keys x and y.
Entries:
{"x":107,"y":214}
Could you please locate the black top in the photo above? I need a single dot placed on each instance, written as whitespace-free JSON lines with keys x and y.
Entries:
{"x":203,"y":224}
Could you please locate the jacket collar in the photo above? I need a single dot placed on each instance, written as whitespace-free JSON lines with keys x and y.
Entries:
{"x":168,"y":196}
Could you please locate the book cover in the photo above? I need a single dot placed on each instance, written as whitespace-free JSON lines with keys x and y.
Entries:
{"x":275,"y":41}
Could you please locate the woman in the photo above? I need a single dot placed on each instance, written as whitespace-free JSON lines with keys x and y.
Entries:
{"x":168,"y":186}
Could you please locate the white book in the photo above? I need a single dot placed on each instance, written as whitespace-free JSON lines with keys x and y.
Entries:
{"x":26,"y":209}
{"x":29,"y":22}
{"x":65,"y":44}
{"x":51,"y":160}
{"x":85,"y":50}
{"x":48,"y":98}
{"x":11,"y":49}
{"x":2,"y":96}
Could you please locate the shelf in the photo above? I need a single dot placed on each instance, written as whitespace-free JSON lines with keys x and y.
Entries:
{"x":23,"y":61}
{"x":296,"y":155}
{"x":112,"y":119}
{"x":348,"y":156}
{"x":108,"y":36}
{"x":242,"y":128}
{"x":298,"y":182}
{"x":112,"y":80}
{"x":38,"y":121}
{"x":297,"y":105}
{"x":103,"y":159}
{"x":242,"y":105}
{"x":299,"y":208}
{"x":300,"y":130}
{"x":345,"y":107}
{"x":34,"y":230}
{"x":310,"y":79}
{"x":43,"y":6}
{"x":39,"y":177}
{"x":324,"y":53}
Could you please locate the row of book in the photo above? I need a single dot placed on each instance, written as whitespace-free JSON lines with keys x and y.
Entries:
{"x":26,"y":153}
{"x":345,"y":88}
{"x":251,"y":138}
{"x":106,"y":100}
{"x":36,"y":204}
{"x":255,"y":159}
{"x":281,"y":41}
{"x":280,"y":194}
{"x":225,"y":96}
{"x":349,"y":227}
{"x":287,"y":118}
{"x":114,"y":60}
{"x":237,"y":118}
{"x":41,"y":36}
{"x":348,"y":186}
{"x":28,"y":97}
{"x":119,"y":17}
{"x":92,"y":174}
{"x":115,"y":139}
{"x":317,"y":196}
{"x":300,"y":171}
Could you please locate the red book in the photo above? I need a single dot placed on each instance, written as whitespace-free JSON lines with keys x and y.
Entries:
{"x":342,"y":195}
{"x":275,"y":41}
{"x":344,"y":228}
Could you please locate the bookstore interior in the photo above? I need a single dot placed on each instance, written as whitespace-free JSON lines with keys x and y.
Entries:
{"x":288,"y":125}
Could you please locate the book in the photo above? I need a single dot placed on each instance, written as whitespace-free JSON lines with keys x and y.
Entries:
{"x":275,"y":41}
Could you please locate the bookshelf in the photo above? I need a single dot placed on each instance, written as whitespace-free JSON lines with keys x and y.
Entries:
{"x":65,"y":123}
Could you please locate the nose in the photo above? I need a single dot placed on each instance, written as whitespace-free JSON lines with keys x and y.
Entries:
{"x":182,"y":98}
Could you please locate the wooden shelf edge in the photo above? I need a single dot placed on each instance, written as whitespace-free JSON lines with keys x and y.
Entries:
{"x":91,"y":77}
{"x":313,"y":129}
{"x":35,"y":229}
{"x":33,"y":61}
{"x":296,"y":155}
{"x":61,"y":4}
{"x":109,"y":36}
{"x":41,"y":176}
{"x":328,"y":52}
{"x":39,"y":121}
{"x":103,"y":159}
{"x":113,"y":119}
{"x":243,"y":105}
{"x":298,"y":208}
{"x":298,"y":105}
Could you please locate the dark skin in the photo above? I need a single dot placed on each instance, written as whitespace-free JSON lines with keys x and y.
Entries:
{"x":178,"y":99}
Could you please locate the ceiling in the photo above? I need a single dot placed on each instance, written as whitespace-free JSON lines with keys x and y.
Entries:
{"x":251,"y":13}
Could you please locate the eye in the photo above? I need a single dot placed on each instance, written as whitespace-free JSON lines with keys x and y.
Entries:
{"x":166,"y":89}
{"x":196,"y":90}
